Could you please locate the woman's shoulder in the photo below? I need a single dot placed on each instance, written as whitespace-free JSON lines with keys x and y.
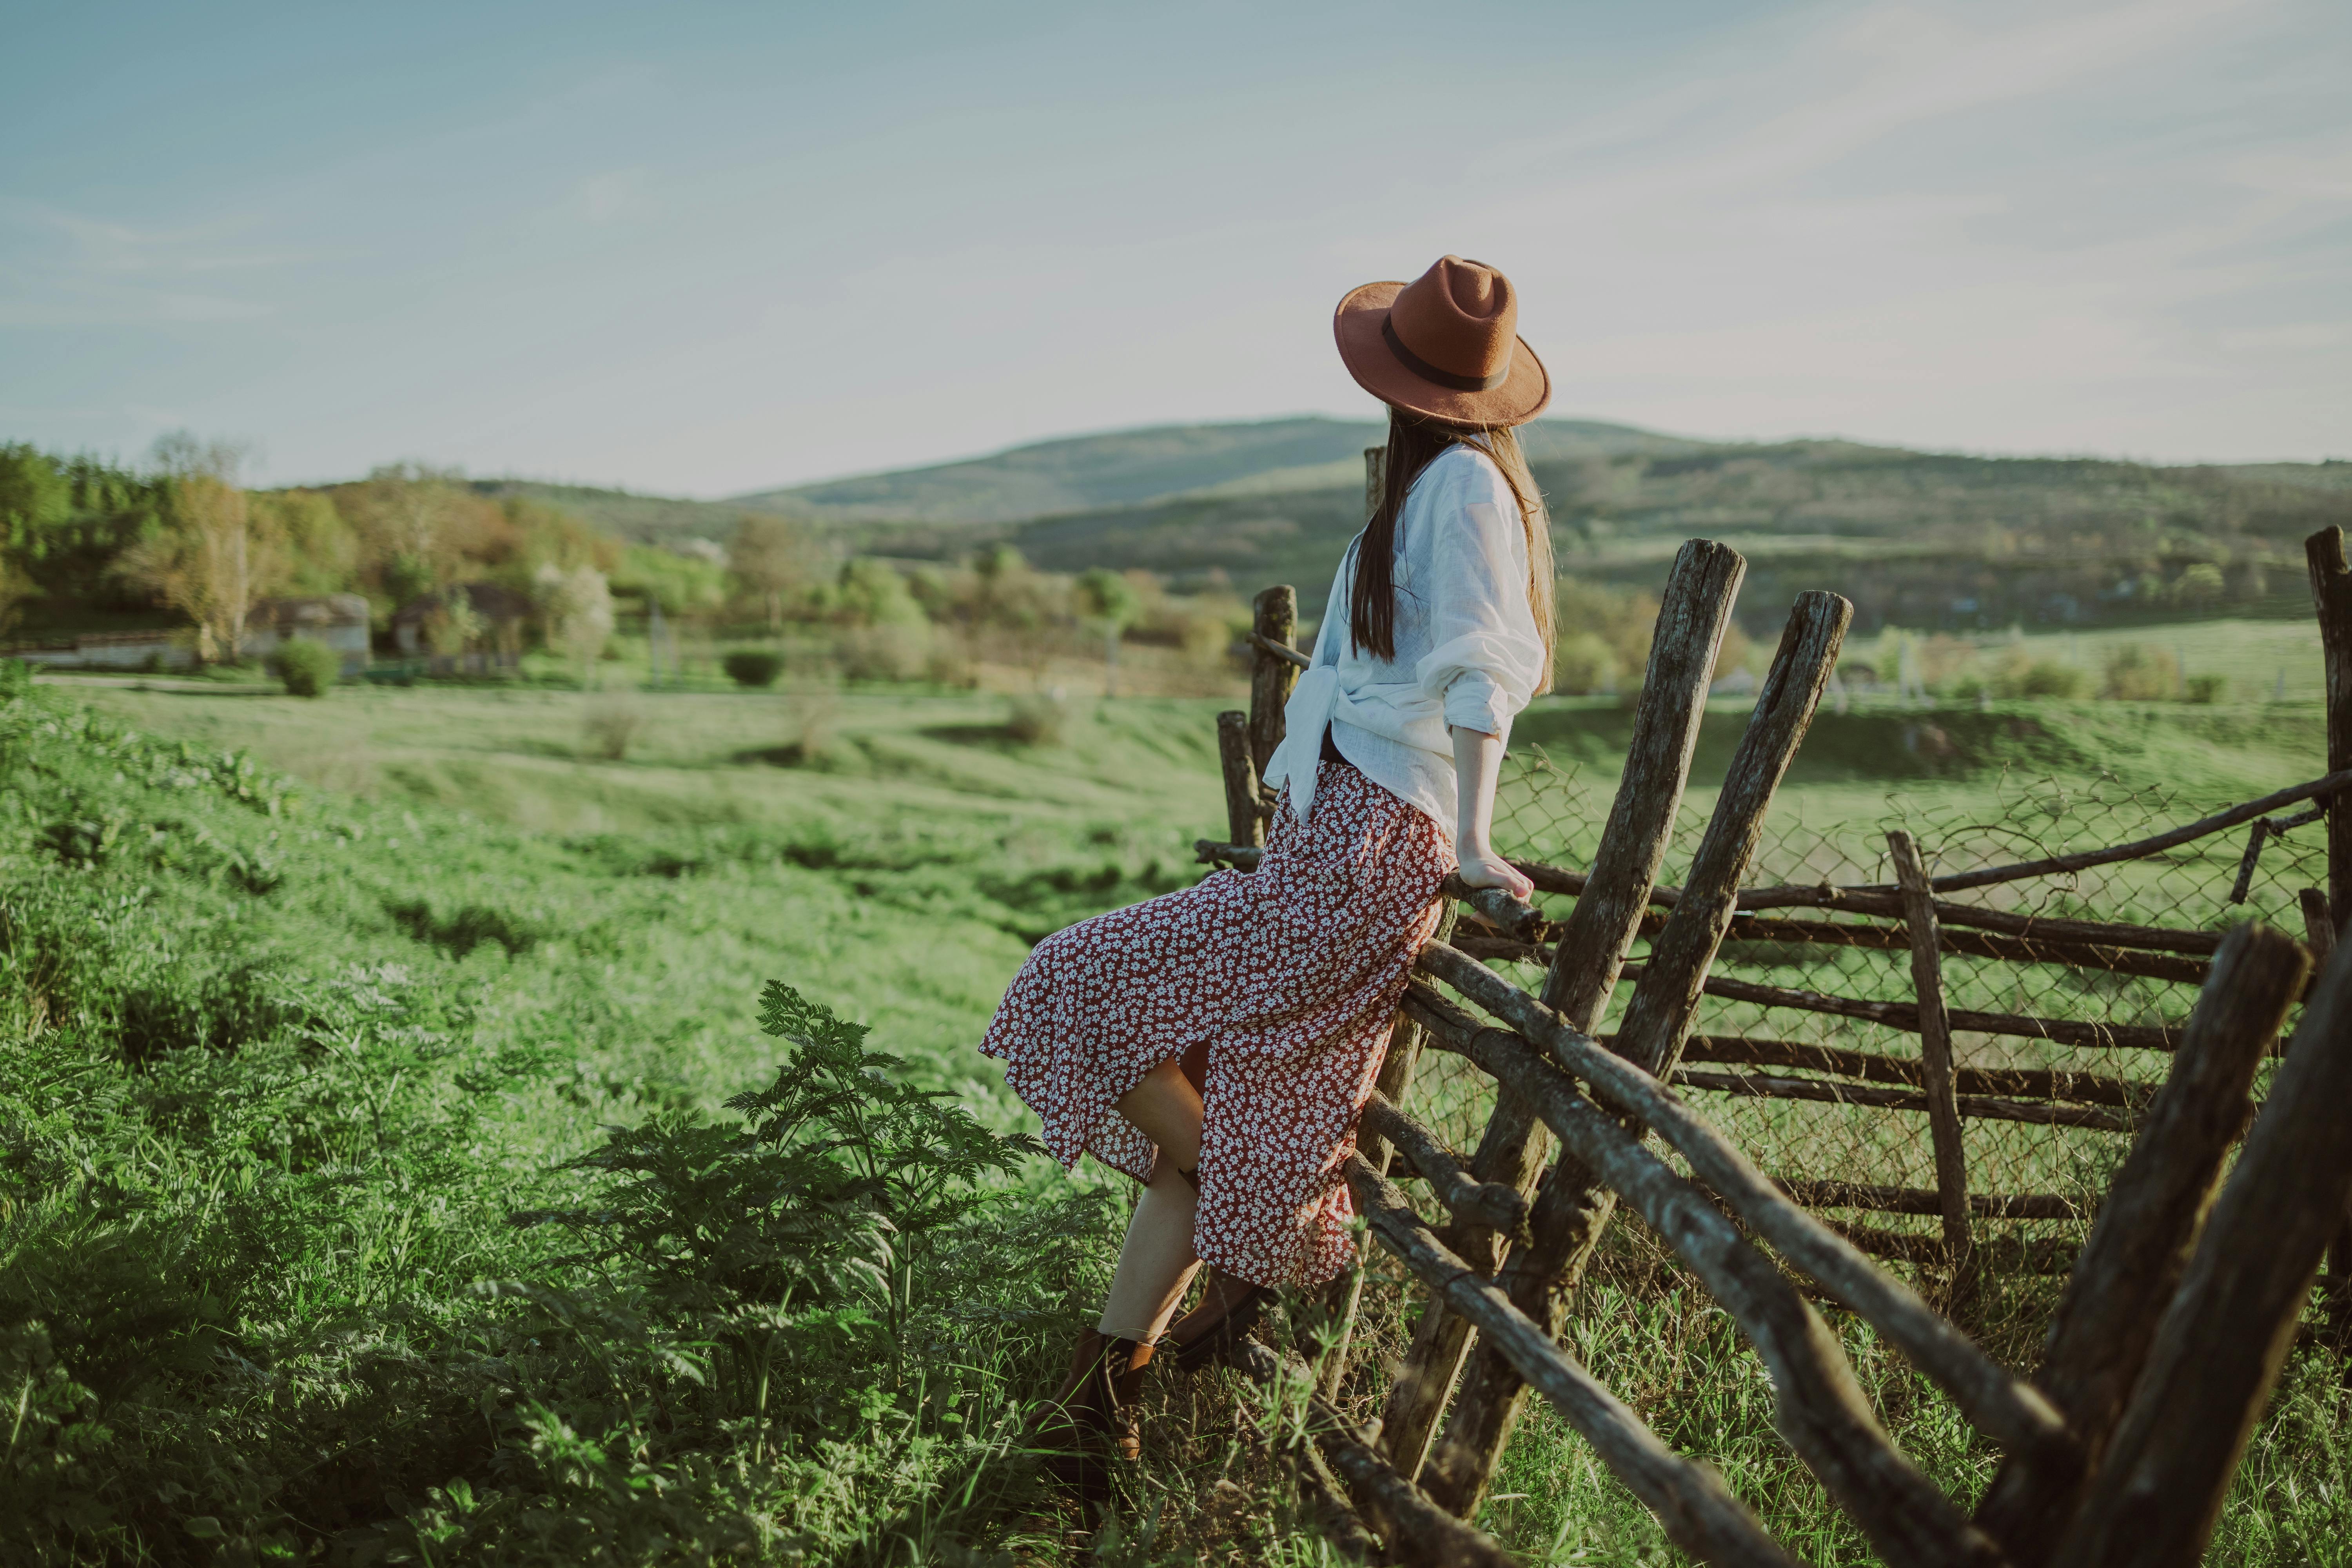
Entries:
{"x":1463,"y":474}
{"x":1456,"y":480}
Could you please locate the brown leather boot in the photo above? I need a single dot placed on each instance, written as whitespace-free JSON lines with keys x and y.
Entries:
{"x":1229,"y":1306}
{"x":1093,"y":1413}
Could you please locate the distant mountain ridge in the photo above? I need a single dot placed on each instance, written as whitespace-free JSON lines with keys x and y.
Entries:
{"x":1131,"y":468}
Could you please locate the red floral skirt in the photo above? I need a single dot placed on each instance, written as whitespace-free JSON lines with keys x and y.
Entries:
{"x":1277,"y":988}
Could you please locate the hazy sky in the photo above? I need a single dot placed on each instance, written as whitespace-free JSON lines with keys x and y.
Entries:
{"x":704,"y":249}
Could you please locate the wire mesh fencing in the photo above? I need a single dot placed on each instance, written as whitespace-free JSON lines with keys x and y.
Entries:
{"x":1830,"y":1104}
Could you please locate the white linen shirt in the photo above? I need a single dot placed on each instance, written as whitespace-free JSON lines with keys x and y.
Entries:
{"x":1467,"y":652}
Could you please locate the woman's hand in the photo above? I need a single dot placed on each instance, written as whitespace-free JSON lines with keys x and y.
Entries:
{"x":1477,"y":758}
{"x":1484,"y":868}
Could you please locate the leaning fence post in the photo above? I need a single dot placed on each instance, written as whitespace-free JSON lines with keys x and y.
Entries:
{"x":1275,"y":620}
{"x":2099,"y":1337}
{"x":2227,"y":1330}
{"x":2331,"y":595}
{"x":1575,"y":1207}
{"x":1936,"y":1058}
{"x":1700,"y":593}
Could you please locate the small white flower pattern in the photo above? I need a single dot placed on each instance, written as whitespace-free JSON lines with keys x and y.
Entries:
{"x":1289,"y":976}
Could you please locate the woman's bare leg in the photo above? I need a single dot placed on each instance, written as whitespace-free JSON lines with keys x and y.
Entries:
{"x":1166,"y":1109}
{"x":1157,"y":1262}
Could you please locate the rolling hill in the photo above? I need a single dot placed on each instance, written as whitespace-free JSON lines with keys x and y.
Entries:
{"x":1923,"y":539}
{"x":1129,"y":468}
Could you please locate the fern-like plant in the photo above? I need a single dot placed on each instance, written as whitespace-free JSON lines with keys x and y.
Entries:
{"x":829,"y":1196}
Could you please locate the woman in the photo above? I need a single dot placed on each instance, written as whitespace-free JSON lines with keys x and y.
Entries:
{"x":1217,"y":1043}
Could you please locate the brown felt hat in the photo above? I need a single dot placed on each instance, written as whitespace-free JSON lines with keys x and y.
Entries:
{"x":1446,"y":345}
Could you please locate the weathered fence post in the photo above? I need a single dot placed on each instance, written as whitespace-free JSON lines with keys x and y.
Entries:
{"x":1700,"y":592}
{"x":2331,"y":595}
{"x":1244,"y":822}
{"x":1936,"y":1072}
{"x":1575,"y":1207}
{"x":1275,"y":621}
{"x":2220,"y":1343}
{"x":2099,"y":1337}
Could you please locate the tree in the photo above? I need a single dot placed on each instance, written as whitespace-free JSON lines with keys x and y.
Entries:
{"x":15,"y":588}
{"x":64,"y":523}
{"x":578,"y":605}
{"x":874,"y":594}
{"x":410,"y":518}
{"x":216,"y":556}
{"x":1110,"y":601}
{"x":322,"y":552}
{"x":774,"y":557}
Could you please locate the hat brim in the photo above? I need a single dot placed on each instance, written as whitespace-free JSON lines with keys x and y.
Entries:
{"x":1525,"y":393}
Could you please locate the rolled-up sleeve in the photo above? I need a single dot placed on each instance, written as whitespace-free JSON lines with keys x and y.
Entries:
{"x":1486,"y":659}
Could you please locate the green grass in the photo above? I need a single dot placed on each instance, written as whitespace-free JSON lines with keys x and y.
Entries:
{"x":295,"y":1047}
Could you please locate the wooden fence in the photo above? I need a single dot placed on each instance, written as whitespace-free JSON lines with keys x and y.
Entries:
{"x":2179,"y":1304}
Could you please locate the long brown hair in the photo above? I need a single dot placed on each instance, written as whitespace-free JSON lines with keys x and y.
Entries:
{"x":1413,"y":444}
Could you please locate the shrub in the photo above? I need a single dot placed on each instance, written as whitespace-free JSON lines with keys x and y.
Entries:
{"x":610,"y":725}
{"x":753,"y":667}
{"x":2048,"y":678}
{"x":948,"y":666}
{"x":306,"y":667}
{"x":896,"y":652}
{"x":2138,"y":673}
{"x":2207,"y":689}
{"x":1623,"y":620}
{"x":814,"y":718}
{"x":1583,"y":664}
{"x":1038,"y":720}
{"x":2020,"y":674}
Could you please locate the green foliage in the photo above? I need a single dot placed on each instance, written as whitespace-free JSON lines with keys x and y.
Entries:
{"x":2020,"y":674}
{"x":282,"y":1067}
{"x":1104,"y":595}
{"x":1042,"y":721}
{"x":307,"y":666}
{"x":680,"y":583}
{"x":753,"y":667}
{"x":323,"y":554}
{"x":835,"y":1193}
{"x":2135,"y":672}
{"x":1583,"y":663}
{"x":64,"y":521}
{"x":1597,"y":620}
{"x":875,"y":593}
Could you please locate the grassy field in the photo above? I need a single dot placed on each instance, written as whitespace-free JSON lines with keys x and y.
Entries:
{"x":307,"y":1024}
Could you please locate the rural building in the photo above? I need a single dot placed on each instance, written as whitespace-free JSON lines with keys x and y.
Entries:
{"x":475,"y":626}
{"x":339,"y":620}
{"x":170,"y":649}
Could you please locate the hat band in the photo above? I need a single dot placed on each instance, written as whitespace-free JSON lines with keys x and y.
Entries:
{"x":1428,"y":372}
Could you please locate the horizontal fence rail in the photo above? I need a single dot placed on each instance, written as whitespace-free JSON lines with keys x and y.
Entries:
{"x":2089,"y":1450}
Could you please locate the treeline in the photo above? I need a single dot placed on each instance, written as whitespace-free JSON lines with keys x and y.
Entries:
{"x":91,"y":545}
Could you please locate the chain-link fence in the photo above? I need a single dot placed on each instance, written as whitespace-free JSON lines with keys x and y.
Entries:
{"x":2054,"y":1139}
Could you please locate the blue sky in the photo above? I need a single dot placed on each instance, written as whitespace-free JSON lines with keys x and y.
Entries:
{"x":704,"y":249}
